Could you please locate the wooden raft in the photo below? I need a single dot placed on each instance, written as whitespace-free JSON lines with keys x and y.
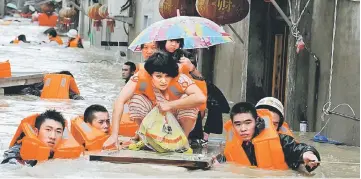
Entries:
{"x":191,"y":161}
{"x":200,"y":159}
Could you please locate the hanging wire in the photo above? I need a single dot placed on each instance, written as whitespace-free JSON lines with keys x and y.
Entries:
{"x":296,"y":33}
{"x":327,"y":107}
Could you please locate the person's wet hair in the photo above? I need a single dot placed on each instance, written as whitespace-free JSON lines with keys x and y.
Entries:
{"x":161,"y":44}
{"x":142,"y":45}
{"x":66,"y":73}
{"x":131,"y":65}
{"x":49,"y":114}
{"x":161,"y":62}
{"x":89,"y":112}
{"x":177,"y":54}
{"x":22,"y":37}
{"x":243,"y":107}
{"x":53,"y":33}
{"x":48,"y":30}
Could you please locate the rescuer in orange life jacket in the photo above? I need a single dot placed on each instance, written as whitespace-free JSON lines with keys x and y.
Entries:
{"x":38,"y":87}
{"x":74,"y":39}
{"x":91,"y":129}
{"x":275,"y":107}
{"x":251,"y":140}
{"x":49,"y":128}
{"x":21,"y":38}
{"x":54,"y":38}
{"x":98,"y":117}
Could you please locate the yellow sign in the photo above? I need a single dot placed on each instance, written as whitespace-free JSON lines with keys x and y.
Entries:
{"x":224,"y":5}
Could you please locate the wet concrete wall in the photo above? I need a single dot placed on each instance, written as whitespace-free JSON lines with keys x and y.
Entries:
{"x":346,"y":67}
{"x":231,"y":61}
{"x":2,"y":8}
{"x":298,"y":72}
{"x":257,"y":56}
{"x":104,"y":34}
{"x":146,"y":13}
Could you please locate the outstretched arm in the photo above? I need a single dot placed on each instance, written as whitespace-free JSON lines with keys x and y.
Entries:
{"x":125,"y":94}
{"x":298,"y":153}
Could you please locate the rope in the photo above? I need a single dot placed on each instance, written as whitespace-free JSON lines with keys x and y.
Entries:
{"x":326,"y":110}
{"x":304,"y":8}
{"x":296,"y":33}
{"x":332,"y":55}
{"x":294,"y":28}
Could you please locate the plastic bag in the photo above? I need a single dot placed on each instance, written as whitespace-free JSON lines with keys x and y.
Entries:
{"x":162,"y":133}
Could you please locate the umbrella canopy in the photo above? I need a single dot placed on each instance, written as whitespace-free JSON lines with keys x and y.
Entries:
{"x":197,"y":32}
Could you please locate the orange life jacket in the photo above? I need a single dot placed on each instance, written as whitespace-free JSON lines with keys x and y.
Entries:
{"x":200,"y":83}
{"x":144,"y":86}
{"x":45,"y":20}
{"x":92,"y":138}
{"x":74,"y":43}
{"x":34,"y":149}
{"x":57,"y":39}
{"x":57,"y":86}
{"x":16,"y":41}
{"x":267,"y":146}
{"x":5,"y":69}
{"x":127,"y":127}
{"x":184,"y":70}
{"x":284,"y":129}
{"x":86,"y":134}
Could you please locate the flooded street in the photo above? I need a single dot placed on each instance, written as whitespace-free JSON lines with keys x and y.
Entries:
{"x":98,"y":75}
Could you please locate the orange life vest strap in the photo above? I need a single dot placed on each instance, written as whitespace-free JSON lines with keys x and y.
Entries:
{"x":284,"y":129}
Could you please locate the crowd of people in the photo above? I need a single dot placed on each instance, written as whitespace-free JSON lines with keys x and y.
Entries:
{"x":257,"y":135}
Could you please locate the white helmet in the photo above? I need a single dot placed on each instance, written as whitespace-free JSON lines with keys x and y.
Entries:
{"x":271,"y":102}
{"x":72,"y":33}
